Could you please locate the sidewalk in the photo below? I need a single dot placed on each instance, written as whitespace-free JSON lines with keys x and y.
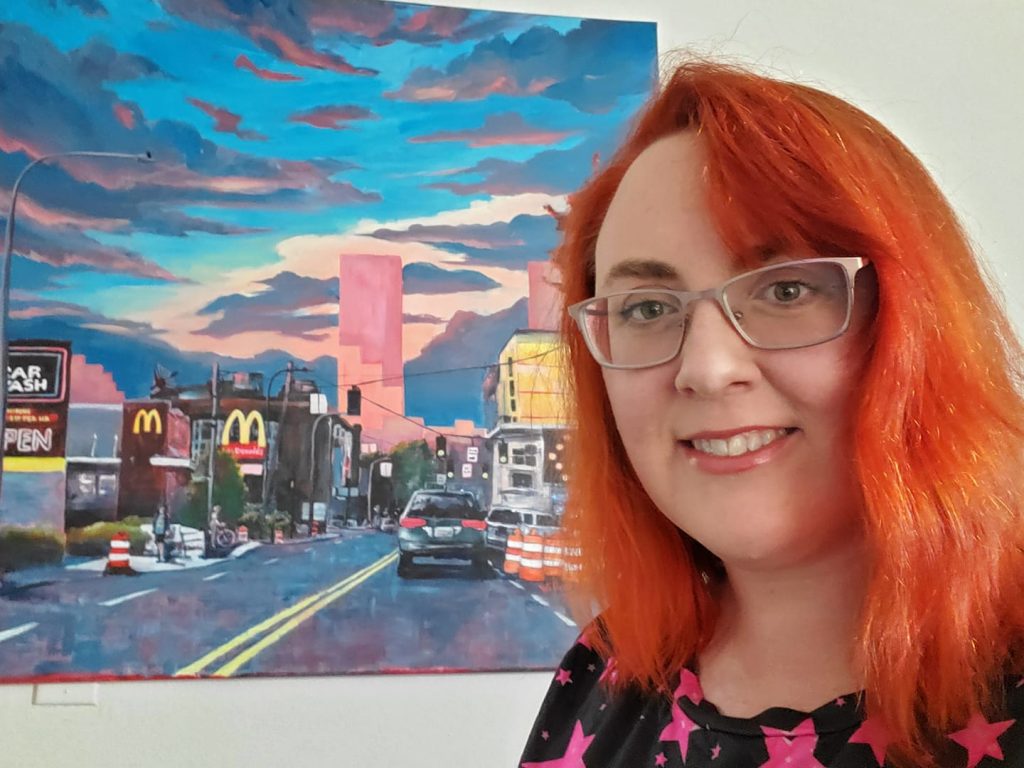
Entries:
{"x":149,"y":563}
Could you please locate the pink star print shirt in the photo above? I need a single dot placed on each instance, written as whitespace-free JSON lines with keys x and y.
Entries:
{"x":581,"y":726}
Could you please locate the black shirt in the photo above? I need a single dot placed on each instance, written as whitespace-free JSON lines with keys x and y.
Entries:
{"x":580,"y":725}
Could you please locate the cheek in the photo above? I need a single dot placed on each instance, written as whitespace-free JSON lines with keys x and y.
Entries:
{"x":638,"y":401}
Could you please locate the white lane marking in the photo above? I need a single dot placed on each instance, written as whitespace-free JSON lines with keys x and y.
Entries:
{"x":565,"y":619}
{"x":126,"y":598}
{"x":541,"y":600}
{"x":340,"y":541}
{"x":215,"y":576}
{"x":7,"y":634}
{"x":308,"y":549}
{"x":517,"y":585}
{"x":271,"y":561}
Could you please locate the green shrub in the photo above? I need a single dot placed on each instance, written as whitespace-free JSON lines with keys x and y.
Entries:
{"x":94,"y":540}
{"x":25,"y":547}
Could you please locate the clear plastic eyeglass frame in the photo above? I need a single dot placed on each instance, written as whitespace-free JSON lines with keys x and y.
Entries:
{"x":851,"y":265}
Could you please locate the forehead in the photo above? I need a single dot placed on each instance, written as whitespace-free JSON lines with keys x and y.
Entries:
{"x":659,"y":211}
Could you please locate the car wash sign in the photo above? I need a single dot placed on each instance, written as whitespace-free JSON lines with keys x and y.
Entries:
{"x":37,"y":395}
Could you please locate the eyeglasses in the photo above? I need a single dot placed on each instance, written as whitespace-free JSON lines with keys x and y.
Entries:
{"x":784,"y":306}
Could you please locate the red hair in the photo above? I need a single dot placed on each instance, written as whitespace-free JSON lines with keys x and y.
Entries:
{"x":939,"y":418}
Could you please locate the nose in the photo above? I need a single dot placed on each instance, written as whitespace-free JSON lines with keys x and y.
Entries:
{"x":714,"y":359}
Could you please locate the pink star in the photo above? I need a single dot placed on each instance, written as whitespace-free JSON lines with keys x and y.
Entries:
{"x":545,"y":735}
{"x":789,"y":748}
{"x":660,"y":760}
{"x":716,"y":751}
{"x":872,"y":733}
{"x":840,"y":702}
{"x":689,"y":686}
{"x":564,"y":677}
{"x":679,"y":730}
{"x":591,"y":667}
{"x":573,"y":757}
{"x":980,"y":738}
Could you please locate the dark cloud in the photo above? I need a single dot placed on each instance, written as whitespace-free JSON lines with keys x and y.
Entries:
{"x":424,"y":278}
{"x":278,"y":307}
{"x":25,"y":306}
{"x":433,"y":319}
{"x":591,"y":67}
{"x":98,"y":62}
{"x":507,"y":244}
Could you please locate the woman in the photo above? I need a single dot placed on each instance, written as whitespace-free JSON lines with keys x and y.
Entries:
{"x":796,"y":485}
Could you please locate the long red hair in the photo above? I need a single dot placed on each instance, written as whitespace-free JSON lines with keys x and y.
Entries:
{"x":939,"y":421}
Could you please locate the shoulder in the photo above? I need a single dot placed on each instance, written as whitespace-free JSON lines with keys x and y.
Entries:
{"x":580,"y":714}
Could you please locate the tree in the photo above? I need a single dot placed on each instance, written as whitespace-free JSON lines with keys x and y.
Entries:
{"x":228,"y":492}
{"x":414,"y":467}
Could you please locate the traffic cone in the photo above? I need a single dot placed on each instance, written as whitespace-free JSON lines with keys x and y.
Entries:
{"x":243,"y":534}
{"x":278,"y":536}
{"x":513,"y":553}
{"x":119,"y":561}
{"x":553,"y":553}
{"x":531,"y":564}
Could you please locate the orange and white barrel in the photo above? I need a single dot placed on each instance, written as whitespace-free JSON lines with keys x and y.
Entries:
{"x":554,"y":547}
{"x":278,"y":536}
{"x":243,"y":534}
{"x":531,"y":564}
{"x":119,"y":559}
{"x":513,"y":552}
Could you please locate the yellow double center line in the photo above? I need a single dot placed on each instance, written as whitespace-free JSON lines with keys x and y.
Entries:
{"x":288,"y":619}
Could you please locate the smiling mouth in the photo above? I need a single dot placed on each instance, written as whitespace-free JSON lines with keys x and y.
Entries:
{"x":738,"y":445}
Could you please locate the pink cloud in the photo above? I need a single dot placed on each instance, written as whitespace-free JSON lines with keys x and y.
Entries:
{"x":332,"y":117}
{"x":244,"y":62}
{"x":124,"y":115}
{"x":368,"y":18}
{"x":305,"y":57}
{"x":440,"y":21}
{"x":50,"y":218}
{"x":225,"y":121}
{"x":11,"y":144}
{"x":498,"y":130}
{"x":478,"y":86}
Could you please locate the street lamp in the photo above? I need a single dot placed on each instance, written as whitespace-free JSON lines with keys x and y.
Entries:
{"x":5,"y":273}
{"x":291,"y":368}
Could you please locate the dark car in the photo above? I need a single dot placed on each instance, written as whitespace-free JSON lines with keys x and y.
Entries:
{"x":441,"y":524}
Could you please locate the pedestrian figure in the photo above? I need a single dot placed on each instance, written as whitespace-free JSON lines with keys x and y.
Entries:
{"x":161,"y":524}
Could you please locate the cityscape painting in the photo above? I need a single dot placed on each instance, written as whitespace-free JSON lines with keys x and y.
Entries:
{"x":283,"y":372}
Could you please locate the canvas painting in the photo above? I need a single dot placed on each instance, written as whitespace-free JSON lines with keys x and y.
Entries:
{"x":284,"y":390}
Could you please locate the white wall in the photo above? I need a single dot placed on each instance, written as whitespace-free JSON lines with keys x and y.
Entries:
{"x":948,"y":77}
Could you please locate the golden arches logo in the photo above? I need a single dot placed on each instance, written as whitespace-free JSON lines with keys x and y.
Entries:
{"x":245,"y":424}
{"x":148,"y":420}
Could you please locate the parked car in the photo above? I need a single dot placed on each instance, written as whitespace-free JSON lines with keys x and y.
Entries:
{"x":501,"y":521}
{"x":441,"y":524}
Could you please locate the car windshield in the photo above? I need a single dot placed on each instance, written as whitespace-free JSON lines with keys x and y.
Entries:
{"x":431,"y":505}
{"x":547,"y":520}
{"x":506,"y":516}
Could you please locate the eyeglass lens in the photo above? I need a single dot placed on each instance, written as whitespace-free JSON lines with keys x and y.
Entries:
{"x":785,"y":306}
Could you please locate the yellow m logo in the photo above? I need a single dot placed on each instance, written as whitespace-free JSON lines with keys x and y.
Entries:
{"x":245,"y":424}
{"x":148,"y":420}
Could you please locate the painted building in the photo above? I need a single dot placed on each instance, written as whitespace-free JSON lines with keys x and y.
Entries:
{"x":530,"y":385}
{"x":155,"y":464}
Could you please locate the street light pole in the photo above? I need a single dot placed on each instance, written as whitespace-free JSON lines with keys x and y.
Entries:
{"x":312,"y":462}
{"x":5,"y":273}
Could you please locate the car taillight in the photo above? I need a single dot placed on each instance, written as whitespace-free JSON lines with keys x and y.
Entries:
{"x":413,"y":522}
{"x":478,"y":525}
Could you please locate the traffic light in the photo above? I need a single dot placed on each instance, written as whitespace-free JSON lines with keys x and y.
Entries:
{"x":502,"y":452}
{"x":485,"y":471}
{"x":440,"y":446}
{"x":355,"y":401}
{"x":451,"y":467}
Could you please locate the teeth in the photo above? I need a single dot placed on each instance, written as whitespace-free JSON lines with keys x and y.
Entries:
{"x":737,"y":445}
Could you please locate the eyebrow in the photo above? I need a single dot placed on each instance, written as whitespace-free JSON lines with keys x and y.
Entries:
{"x":643,"y":269}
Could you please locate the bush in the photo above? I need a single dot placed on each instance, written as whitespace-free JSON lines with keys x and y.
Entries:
{"x":256,"y":522}
{"x":94,"y":540}
{"x":25,"y":547}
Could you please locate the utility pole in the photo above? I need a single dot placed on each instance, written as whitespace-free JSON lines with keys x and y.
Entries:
{"x":213,"y":444}
{"x":275,"y":453}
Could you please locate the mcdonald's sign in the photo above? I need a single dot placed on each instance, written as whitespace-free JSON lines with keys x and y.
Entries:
{"x":147,"y":420}
{"x":246,"y":448}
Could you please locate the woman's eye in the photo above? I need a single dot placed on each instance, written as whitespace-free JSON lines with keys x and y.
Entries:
{"x":787,"y":292}
{"x":644,"y":310}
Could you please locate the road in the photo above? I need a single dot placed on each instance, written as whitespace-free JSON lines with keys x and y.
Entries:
{"x":329,"y":606}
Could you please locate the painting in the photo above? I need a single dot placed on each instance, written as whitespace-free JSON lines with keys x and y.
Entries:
{"x":283,"y":375}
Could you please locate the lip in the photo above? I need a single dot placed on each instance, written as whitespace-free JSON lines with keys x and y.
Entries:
{"x":727,"y":433}
{"x":728,"y":465}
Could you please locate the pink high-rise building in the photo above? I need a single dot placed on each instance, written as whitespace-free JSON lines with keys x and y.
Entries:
{"x":545,"y":301}
{"x":370,"y":337}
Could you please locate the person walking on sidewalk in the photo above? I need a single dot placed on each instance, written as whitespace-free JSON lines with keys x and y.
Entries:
{"x":161,"y":524}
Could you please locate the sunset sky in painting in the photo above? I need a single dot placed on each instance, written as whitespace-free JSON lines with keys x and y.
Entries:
{"x":285,"y":136}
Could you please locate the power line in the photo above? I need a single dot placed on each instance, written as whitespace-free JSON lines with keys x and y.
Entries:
{"x":449,"y":370}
